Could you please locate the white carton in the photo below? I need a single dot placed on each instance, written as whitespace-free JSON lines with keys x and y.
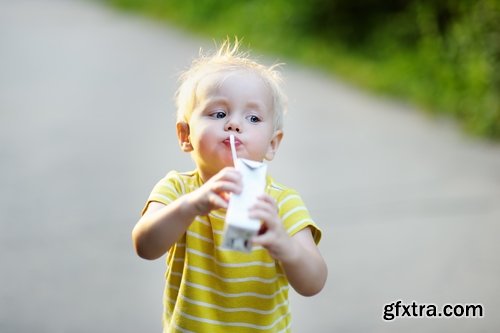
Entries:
{"x":240,"y":228}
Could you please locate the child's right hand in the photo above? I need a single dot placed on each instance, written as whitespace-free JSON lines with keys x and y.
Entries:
{"x":214,"y":194}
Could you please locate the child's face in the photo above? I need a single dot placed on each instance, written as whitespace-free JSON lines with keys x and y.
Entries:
{"x":240,"y":104}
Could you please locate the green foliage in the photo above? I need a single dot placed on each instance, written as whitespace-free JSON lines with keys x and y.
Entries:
{"x":443,"y":55}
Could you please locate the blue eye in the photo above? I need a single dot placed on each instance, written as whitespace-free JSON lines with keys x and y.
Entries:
{"x":254,"y":119}
{"x":218,"y":114}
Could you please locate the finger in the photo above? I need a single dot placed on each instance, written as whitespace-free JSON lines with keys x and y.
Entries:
{"x":226,"y":186}
{"x":267,"y":198}
{"x":264,"y":210}
{"x":264,"y":206}
{"x":229,"y":173}
{"x":265,"y":240}
{"x":217,"y":201}
{"x":225,"y":196}
{"x":232,"y":177}
{"x":268,"y":203}
{"x":269,"y":220}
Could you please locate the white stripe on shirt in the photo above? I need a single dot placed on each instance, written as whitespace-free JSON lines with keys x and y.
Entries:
{"x":234,"y":324}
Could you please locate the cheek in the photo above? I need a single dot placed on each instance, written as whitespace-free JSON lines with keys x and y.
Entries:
{"x":260,"y":144}
{"x":197,"y":131}
{"x":203,"y":138}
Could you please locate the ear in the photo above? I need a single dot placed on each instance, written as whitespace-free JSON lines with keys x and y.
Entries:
{"x":183,"y":136}
{"x":274,"y":145}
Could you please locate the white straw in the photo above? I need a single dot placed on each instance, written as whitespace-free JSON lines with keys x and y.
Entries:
{"x":233,"y":148}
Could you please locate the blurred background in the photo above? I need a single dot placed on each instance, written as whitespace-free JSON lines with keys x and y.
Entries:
{"x":396,"y":104}
{"x":441,"y":55}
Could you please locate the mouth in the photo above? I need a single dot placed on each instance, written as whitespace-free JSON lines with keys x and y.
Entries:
{"x":227,"y":142}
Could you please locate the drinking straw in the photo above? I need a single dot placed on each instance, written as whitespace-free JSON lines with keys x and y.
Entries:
{"x":233,"y":148}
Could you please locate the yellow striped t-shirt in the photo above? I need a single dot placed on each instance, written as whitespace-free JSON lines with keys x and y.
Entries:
{"x":211,"y":289}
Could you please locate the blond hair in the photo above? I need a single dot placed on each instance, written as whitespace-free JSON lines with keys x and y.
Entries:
{"x":228,"y":58}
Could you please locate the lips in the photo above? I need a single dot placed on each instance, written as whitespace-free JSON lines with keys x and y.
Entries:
{"x":227,"y":142}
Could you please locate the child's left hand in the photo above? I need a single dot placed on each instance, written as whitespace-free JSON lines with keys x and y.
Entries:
{"x":298,"y":255}
{"x":274,"y":238}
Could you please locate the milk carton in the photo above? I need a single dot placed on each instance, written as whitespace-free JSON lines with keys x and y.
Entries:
{"x":239,"y":228}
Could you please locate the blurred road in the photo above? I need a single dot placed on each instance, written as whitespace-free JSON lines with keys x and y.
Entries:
{"x":409,"y":206}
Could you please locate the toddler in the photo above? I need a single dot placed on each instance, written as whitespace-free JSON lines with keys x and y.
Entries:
{"x":210,"y":288}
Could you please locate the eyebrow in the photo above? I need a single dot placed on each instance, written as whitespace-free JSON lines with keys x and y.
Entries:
{"x":216,"y":100}
{"x":256,"y":105}
{"x":223,"y":100}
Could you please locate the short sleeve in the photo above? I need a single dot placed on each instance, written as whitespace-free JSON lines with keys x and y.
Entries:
{"x":167,"y":190}
{"x":295,"y":215}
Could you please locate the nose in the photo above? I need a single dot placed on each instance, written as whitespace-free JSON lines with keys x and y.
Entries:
{"x":232,"y":124}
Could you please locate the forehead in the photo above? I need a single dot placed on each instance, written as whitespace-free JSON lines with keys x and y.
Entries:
{"x":243,"y":83}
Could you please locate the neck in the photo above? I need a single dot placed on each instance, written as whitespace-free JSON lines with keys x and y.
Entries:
{"x":204,"y":175}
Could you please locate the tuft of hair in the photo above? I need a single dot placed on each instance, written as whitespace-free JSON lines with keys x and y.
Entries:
{"x":228,"y":58}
